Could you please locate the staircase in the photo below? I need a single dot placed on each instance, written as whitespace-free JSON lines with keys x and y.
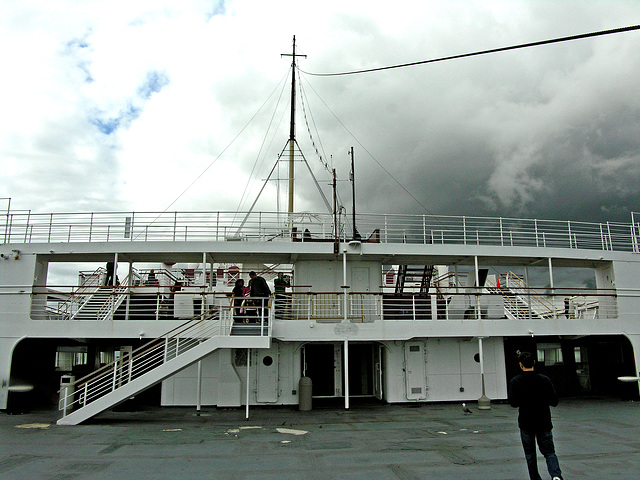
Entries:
{"x":76,"y":302}
{"x":101,"y":304}
{"x":521,"y":302}
{"x":154,"y":362}
{"x":410,"y":273}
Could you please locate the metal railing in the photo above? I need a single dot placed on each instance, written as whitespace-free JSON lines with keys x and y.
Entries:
{"x":367,"y":307}
{"x":27,"y":227}
{"x":447,"y":303}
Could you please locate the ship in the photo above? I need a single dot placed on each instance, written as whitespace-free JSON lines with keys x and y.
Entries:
{"x":368,"y":308}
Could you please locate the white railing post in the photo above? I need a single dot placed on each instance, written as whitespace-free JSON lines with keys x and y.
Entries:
{"x":386,"y":230}
{"x":166,"y":349}
{"x":424,"y":229}
{"x":413,"y":306}
{"x":86,"y":392}
{"x":464,"y":230}
{"x":175,"y":224}
{"x":115,"y":374}
{"x":64,"y":401}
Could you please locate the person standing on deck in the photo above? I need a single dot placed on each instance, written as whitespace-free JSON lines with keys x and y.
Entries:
{"x":533,"y":393}
{"x":238,"y":299}
{"x":280,"y":285}
{"x":261,"y":290}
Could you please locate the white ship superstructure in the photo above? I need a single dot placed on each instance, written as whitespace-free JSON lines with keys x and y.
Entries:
{"x":407,"y":308}
{"x":419,"y":309}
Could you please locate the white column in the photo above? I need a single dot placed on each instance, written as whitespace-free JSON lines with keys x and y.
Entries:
{"x":344,"y":283}
{"x":199,"y":388}
{"x":115,"y":269}
{"x":346,"y":374}
{"x":478,"y":311}
{"x":248,"y":367}
{"x":553,"y":293}
{"x":526,"y":280}
{"x":484,"y":403}
{"x":129,"y":285}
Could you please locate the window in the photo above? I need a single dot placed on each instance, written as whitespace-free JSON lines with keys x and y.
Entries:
{"x":549,"y":354}
{"x":69,"y":357}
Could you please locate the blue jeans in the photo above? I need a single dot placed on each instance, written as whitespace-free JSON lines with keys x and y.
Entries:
{"x":545,"y":443}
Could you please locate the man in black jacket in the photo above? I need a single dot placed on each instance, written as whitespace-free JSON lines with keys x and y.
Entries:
{"x":533,"y":393}
{"x":260,"y":289}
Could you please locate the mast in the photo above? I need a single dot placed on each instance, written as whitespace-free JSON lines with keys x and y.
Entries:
{"x":292,"y":122}
{"x":352,"y":175}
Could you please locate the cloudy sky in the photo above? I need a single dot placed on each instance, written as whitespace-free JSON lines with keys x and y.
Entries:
{"x":149,"y":105}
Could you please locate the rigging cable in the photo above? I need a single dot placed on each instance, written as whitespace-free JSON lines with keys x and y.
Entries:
{"x":484,"y":52}
{"x":306,"y":121}
{"x":222,"y":152}
{"x":218,"y":157}
{"x":283,"y":81}
{"x":371,"y":155}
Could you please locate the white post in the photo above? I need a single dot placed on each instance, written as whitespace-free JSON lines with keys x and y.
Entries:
{"x":199,"y":388}
{"x":478,"y":312}
{"x":553,"y":296}
{"x":115,"y":269}
{"x":344,"y":283}
{"x":346,"y":374}
{"x":129,"y":284}
{"x":484,"y":403}
{"x":526,"y":279}
{"x":202,"y":310}
{"x":248,"y":365}
{"x":114,"y":283}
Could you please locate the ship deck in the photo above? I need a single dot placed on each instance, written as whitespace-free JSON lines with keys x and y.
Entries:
{"x":405,"y":442}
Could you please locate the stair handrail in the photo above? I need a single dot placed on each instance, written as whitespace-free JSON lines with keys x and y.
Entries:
{"x":547,"y":307}
{"x":142,"y":349}
{"x":115,"y":299}
{"x":96,"y":380}
{"x":81,"y":292}
{"x":106,"y":379}
{"x":510,"y":298}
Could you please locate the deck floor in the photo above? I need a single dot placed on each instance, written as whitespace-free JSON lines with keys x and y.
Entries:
{"x":595,"y":438}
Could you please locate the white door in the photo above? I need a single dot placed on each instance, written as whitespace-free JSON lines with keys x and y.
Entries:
{"x":267,"y":375}
{"x":415,"y":371}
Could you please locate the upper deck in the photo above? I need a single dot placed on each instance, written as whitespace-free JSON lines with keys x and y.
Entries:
{"x":135,"y":227}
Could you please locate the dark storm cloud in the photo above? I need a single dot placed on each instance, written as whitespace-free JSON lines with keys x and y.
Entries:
{"x":547,"y":132}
